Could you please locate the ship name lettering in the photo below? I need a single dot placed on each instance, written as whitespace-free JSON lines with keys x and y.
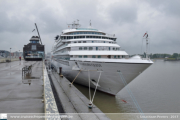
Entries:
{"x":89,"y":64}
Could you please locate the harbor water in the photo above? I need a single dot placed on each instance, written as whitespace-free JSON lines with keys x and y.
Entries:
{"x":156,"y":90}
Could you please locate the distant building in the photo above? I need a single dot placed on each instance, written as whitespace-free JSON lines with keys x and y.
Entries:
{"x":4,"y":53}
{"x":16,"y":54}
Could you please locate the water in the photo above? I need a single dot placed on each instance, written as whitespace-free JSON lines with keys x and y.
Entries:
{"x":156,"y":90}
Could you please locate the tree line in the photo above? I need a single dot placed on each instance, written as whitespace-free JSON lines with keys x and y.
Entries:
{"x":174,"y":55}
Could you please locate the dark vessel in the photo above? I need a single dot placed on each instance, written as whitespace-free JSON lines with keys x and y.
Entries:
{"x":33,"y":51}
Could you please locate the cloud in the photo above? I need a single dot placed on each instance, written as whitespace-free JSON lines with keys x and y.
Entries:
{"x":121,"y":13}
{"x":170,"y":8}
{"x":127,"y":19}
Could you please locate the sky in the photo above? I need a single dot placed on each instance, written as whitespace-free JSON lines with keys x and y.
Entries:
{"x":127,"y":19}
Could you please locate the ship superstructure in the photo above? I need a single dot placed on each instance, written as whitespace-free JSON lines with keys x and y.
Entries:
{"x":94,"y":54}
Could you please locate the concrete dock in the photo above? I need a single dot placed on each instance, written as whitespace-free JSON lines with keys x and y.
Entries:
{"x":42,"y":92}
{"x":73,"y":101}
{"x":21,"y":95}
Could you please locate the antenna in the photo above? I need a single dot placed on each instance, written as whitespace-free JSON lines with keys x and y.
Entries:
{"x":74,"y":24}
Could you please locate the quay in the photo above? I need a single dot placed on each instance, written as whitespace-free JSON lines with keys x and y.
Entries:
{"x":43,"y":92}
{"x":16,"y":95}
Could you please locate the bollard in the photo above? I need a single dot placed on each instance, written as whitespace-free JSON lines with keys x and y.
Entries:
{"x":90,"y":106}
{"x":60,"y":70}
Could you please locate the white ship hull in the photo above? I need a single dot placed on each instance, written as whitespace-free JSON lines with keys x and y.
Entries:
{"x":84,"y":51}
{"x":110,"y":81}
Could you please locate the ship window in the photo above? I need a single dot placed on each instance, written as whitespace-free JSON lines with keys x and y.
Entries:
{"x":78,"y":36}
{"x":99,"y":56}
{"x":96,"y":48}
{"x":74,"y":42}
{"x":77,"y":32}
{"x":104,"y":41}
{"x":85,"y":48}
{"x":92,"y":41}
{"x":85,"y":56}
{"x":113,"y":48}
{"x":80,"y":56}
{"x":87,"y":36}
{"x":94,"y":36}
{"x":79,"y":41}
{"x":84,"y":41}
{"x":118,"y":56}
{"x":33,"y":47}
{"x":90,"y":36}
{"x":83,"y":36}
{"x":109,"y":48}
{"x":90,"y":48}
{"x":80,"y":48}
{"x":115,"y":56}
{"x":93,"y":56}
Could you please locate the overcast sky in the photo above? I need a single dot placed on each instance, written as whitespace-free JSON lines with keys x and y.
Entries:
{"x":127,"y":19}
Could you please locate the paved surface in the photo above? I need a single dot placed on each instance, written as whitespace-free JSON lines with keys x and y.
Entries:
{"x":21,"y":95}
{"x":73,"y":101}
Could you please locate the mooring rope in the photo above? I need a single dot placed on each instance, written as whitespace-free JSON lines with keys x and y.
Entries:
{"x":96,"y":86}
{"x":89,"y":87}
{"x":92,"y":99}
{"x":130,"y":93}
{"x":75,"y":77}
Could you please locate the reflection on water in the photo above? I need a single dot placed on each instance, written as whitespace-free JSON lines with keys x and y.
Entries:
{"x":156,"y":90}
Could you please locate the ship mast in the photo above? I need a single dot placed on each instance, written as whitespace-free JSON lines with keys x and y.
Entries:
{"x":74,"y":24}
{"x":146,"y":52}
{"x":147,"y":46}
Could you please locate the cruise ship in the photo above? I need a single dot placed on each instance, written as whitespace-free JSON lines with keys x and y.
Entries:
{"x":93,"y":58}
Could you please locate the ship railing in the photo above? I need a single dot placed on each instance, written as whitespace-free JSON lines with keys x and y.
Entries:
{"x":110,"y":35}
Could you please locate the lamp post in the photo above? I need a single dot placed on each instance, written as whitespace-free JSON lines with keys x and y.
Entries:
{"x":10,"y":54}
